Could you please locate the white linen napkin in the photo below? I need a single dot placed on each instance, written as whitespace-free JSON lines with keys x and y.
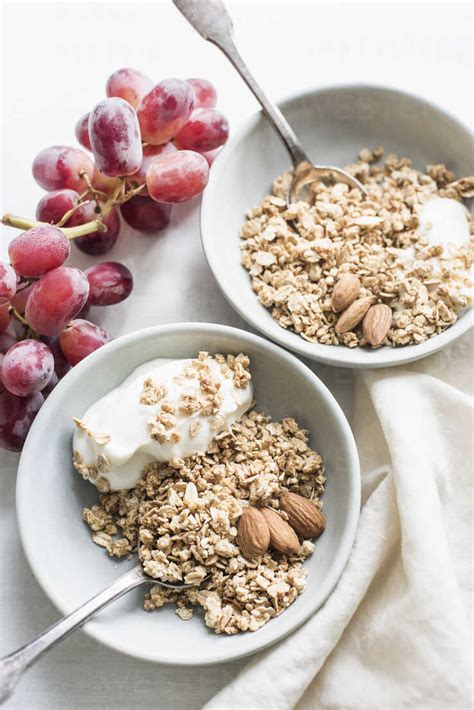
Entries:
{"x":396,"y":631}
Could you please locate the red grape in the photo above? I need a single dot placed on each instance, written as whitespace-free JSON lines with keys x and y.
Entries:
{"x":99,"y":242}
{"x":53,"y":381}
{"x":150,"y":152}
{"x":7,"y":339}
{"x":38,"y":250}
{"x":177,"y":177}
{"x":103,"y":182}
{"x":115,"y":137}
{"x":128,"y":84}
{"x":146,"y":215}
{"x":60,"y":166}
{"x":4,"y":318}
{"x":109,"y":283}
{"x":211,"y":155}
{"x":205,"y":95}
{"x":207,"y":129}
{"x":54,"y":205}
{"x":27,"y":367}
{"x":57,"y":297}
{"x":164,"y":110}
{"x":16,"y":417}
{"x":8,"y":280}
{"x":61,"y":365}
{"x":82,"y":132}
{"x":21,"y":296}
{"x":81,"y":338}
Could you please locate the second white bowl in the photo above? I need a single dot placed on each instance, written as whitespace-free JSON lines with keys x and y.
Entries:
{"x":333,"y":125}
{"x":50,"y":495}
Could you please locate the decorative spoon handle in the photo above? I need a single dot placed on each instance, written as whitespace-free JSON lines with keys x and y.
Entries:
{"x":13,"y":665}
{"x":211,"y":19}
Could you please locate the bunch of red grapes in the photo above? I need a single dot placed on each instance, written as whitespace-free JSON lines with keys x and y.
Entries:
{"x":152,"y":146}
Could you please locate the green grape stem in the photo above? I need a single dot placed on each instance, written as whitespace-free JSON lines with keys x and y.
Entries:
{"x":120,"y":195}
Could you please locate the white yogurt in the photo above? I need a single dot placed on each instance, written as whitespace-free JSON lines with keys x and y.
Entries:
{"x":443,"y":221}
{"x":121,"y":416}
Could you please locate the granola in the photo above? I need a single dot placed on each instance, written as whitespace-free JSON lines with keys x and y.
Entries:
{"x":182,"y":519}
{"x":295,"y":254}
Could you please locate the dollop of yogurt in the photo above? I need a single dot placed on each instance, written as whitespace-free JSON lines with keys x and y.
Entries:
{"x":443,"y":221}
{"x":163,"y":410}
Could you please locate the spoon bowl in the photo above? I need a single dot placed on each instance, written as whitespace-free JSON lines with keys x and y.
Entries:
{"x":211,"y":19}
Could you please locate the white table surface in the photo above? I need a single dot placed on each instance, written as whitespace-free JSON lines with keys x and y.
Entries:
{"x":56,"y":58}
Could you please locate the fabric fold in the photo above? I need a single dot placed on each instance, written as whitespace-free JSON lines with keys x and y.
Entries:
{"x":395,"y":633}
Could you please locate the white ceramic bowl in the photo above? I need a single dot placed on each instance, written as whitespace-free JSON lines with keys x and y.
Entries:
{"x":50,"y":495}
{"x":333,"y":125}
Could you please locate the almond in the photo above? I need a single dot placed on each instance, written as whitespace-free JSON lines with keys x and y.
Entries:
{"x":253,"y":533}
{"x":303,"y":516}
{"x":282,"y":536}
{"x":353,"y":315}
{"x":376,"y":323}
{"x":345,"y":292}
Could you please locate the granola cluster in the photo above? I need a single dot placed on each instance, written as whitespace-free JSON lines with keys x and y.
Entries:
{"x":182,"y":516}
{"x":208,"y":403}
{"x":296,"y":253}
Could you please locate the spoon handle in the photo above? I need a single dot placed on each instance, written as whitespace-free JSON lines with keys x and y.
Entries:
{"x":211,"y":19}
{"x":13,"y":665}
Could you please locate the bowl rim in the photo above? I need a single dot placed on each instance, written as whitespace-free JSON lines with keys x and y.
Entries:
{"x":23,"y":482}
{"x":331,"y":355}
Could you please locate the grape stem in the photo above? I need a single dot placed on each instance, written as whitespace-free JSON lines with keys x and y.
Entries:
{"x":11,"y":220}
{"x":67,"y":215}
{"x":120,"y":195}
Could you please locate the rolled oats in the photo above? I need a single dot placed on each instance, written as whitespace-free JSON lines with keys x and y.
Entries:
{"x":182,"y":518}
{"x":296,"y":253}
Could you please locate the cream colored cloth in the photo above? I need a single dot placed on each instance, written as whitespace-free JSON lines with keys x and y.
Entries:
{"x":396,"y":631}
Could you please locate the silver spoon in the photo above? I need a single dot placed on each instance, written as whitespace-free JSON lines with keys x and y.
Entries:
{"x":14,"y":665}
{"x":211,"y":19}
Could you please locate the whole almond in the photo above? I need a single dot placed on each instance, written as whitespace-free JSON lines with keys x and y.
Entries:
{"x":376,"y":323}
{"x":345,"y":292}
{"x":353,"y":315}
{"x":253,"y":533}
{"x":282,"y":536}
{"x":303,"y":516}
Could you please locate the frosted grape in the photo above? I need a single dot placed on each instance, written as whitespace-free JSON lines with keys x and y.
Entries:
{"x":80,"y":339}
{"x":109,"y":283}
{"x":146,"y":215}
{"x":82,"y":132}
{"x":16,"y":416}
{"x":177,"y":177}
{"x":55,"y":299}
{"x":205,"y":95}
{"x":27,"y":367}
{"x":128,"y":84}
{"x":164,"y":110}
{"x":8,"y":280}
{"x":53,"y":206}
{"x":115,"y":137}
{"x":60,"y":167}
{"x":38,"y":250}
{"x":207,"y":129}
{"x":99,"y":242}
{"x":21,"y":296}
{"x":150,"y":152}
